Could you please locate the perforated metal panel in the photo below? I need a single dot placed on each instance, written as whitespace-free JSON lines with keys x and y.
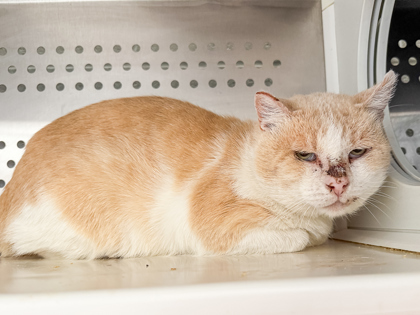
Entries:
{"x":59,"y":56}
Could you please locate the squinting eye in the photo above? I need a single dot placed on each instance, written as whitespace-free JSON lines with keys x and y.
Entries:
{"x":305,"y":156}
{"x":356,"y":153}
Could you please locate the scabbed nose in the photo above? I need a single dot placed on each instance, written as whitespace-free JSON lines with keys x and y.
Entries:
{"x":338,"y":185}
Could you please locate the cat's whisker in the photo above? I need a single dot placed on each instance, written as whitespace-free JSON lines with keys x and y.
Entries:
{"x":372,"y":214}
{"x":382,"y":194}
{"x":371,"y":203}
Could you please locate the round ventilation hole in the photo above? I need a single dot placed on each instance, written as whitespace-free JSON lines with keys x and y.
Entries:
{"x":202,"y":65}
{"x":69,"y":68}
{"x":40,"y":87}
{"x":11,"y":69}
{"x":155,"y":84}
{"x":212,"y":83}
{"x":97,"y":49}
{"x":98,"y":85}
{"x":20,"y":144}
{"x":248,"y":46}
{"x":405,"y":78}
{"x":145,"y":66}
{"x":88,"y":67}
{"x":175,"y":84}
{"x":258,"y":64}
{"x":136,"y":85}
{"x":155,"y":47}
{"x":107,"y":67}
{"x":2,"y":183}
{"x":136,"y":48}
{"x":2,"y":145}
{"x":193,"y":84}
{"x":409,"y":132}
{"x":412,"y":61}
{"x":21,"y":50}
{"x":79,"y":86}
{"x":164,"y":66}
{"x":249,"y":82}
{"x":3,"y":88}
{"x":192,"y":47}
{"x":231,"y":83}
{"x":117,"y":85}
{"x":40,"y":50}
{"x":229,"y":46}
{"x":79,"y":49}
{"x":276,"y":63}
{"x":50,"y":68}
{"x":59,"y":50}
{"x":267,"y":45}
{"x":31,"y":69}
{"x":240,"y":64}
{"x":60,"y":87}
{"x":403,"y":150}
{"x":11,"y":164}
{"x":21,"y":88}
{"x":173,"y":47}
{"x":3,"y":51}
{"x":117,"y":48}
{"x":402,"y":43}
{"x":221,"y":64}
{"x":268,"y":82}
{"x":183,"y":65}
{"x":211,"y":46}
{"x":395,"y":61}
{"x":126,"y":66}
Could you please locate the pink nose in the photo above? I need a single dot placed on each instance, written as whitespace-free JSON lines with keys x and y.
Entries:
{"x":338,"y":185}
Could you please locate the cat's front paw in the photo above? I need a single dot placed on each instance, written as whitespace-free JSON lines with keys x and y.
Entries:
{"x":270,"y":241}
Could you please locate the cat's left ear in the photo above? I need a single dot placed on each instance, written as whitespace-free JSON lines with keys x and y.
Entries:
{"x":378,"y":96}
{"x":271,"y":111}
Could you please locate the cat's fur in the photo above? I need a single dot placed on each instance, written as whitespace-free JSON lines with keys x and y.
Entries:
{"x":157,"y":176}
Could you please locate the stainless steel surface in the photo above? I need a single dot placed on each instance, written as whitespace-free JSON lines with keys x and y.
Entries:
{"x":49,"y":65}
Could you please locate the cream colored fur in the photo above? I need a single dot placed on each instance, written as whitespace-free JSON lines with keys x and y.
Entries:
{"x":157,"y":176}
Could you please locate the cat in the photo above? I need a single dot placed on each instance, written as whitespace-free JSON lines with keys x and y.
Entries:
{"x":158,"y":176}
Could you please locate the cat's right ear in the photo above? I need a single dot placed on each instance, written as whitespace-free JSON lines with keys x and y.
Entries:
{"x":271,"y":111}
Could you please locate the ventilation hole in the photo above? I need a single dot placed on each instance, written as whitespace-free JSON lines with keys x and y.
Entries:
{"x":248,"y":46}
{"x":229,"y":46}
{"x":117,"y":85}
{"x":175,"y":84}
{"x":183,"y":65}
{"x":249,"y":82}
{"x":136,"y":85}
{"x":202,"y":65}
{"x":412,"y":61}
{"x":117,"y":48}
{"x":79,"y":49}
{"x":405,"y":78}
{"x":3,"y":88}
{"x":98,"y":85}
{"x":240,"y":64}
{"x":418,"y":43}
{"x":267,"y":45}
{"x":276,"y":63}
{"x":40,"y":50}
{"x":231,"y":83}
{"x":402,"y":43}
{"x":69,"y":68}
{"x":21,"y":144}
{"x":11,"y":164}
{"x":409,"y":132}
{"x":107,"y":67}
{"x":268,"y":82}
{"x":193,"y":84}
{"x":155,"y":84}
{"x":12,"y":69}
{"x":59,"y":50}
{"x":59,"y":87}
{"x":403,"y":150}
{"x":145,"y":66}
{"x":79,"y":86}
{"x":395,"y":61}
{"x":221,"y":64}
{"x":40,"y":87}
{"x":258,"y":64}
{"x":192,"y":47}
{"x":88,"y":67}
{"x":164,"y":66}
{"x":212,"y":83}
{"x":418,"y":151}
{"x":31,"y":69}
{"x":97,"y":49}
{"x":21,"y":88}
{"x":3,"y":51}
{"x":21,"y":51}
{"x":126,"y":66}
{"x":173,"y":47}
{"x":136,"y":48}
{"x":2,"y":145}
{"x":414,"y":167}
{"x":155,"y":47}
{"x":2,"y":183}
{"x":50,"y":68}
{"x":211,"y":46}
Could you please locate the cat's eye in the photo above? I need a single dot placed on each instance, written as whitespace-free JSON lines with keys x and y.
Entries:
{"x":305,"y":156}
{"x":356,"y":153}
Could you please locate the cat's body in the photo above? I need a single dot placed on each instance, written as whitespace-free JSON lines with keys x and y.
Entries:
{"x":157,"y":176}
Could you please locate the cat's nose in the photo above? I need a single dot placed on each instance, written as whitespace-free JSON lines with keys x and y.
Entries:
{"x":338,"y":185}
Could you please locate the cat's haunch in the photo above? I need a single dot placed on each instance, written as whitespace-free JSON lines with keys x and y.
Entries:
{"x":157,"y":176}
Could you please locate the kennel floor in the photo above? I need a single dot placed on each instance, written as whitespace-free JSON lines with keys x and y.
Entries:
{"x":337,"y":277}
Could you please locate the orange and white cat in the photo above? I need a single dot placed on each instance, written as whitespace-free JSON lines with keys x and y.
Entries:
{"x":157,"y":176}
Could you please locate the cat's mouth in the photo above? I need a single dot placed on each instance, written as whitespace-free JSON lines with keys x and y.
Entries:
{"x":336,"y":206}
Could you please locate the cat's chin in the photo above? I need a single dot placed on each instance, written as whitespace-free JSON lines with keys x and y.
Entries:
{"x":337,"y":209}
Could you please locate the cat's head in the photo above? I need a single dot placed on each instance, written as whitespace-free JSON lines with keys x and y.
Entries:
{"x":324,"y":152}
